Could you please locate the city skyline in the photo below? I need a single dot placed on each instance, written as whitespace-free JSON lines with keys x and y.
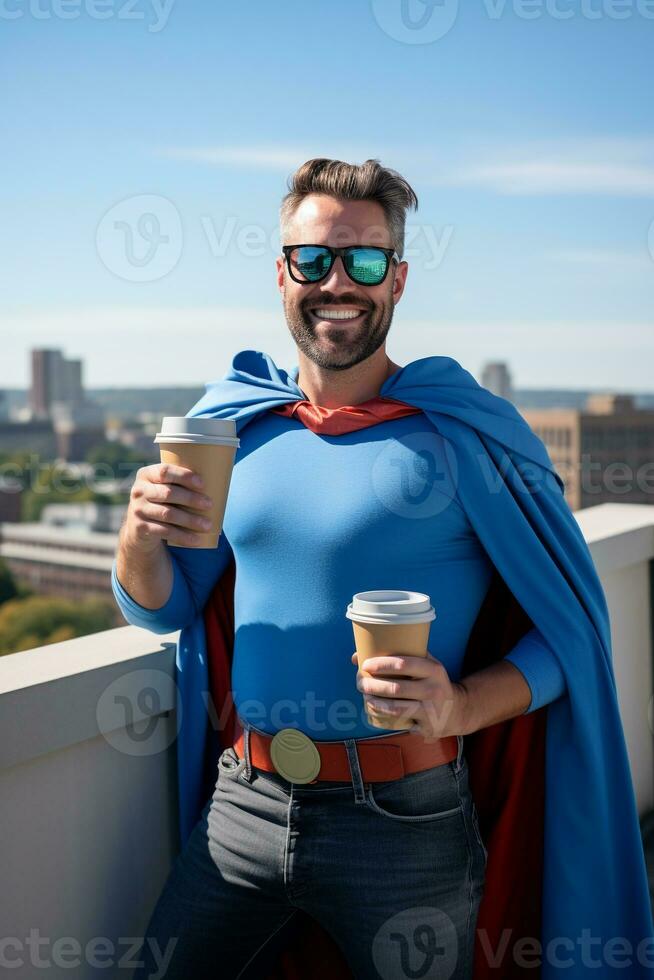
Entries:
{"x":497,"y":376}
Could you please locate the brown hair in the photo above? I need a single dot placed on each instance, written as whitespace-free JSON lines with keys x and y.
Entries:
{"x":367,"y":181}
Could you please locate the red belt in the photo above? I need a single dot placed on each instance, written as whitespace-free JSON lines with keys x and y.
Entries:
{"x":385,"y":758}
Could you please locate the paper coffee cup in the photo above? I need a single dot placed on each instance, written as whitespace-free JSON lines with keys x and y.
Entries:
{"x":208,"y":447}
{"x":390,"y":621}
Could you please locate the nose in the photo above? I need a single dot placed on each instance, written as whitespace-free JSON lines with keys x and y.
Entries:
{"x":337,"y":277}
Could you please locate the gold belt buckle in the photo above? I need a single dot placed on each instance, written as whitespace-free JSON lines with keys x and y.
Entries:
{"x":294,"y":756}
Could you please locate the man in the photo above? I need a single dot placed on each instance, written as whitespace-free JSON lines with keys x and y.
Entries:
{"x":354,"y":473}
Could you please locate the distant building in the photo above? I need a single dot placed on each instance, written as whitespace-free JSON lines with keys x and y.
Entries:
{"x":37,"y":436}
{"x":71,"y":563}
{"x":54,"y":379}
{"x":4,"y":407}
{"x":11,"y":495}
{"x":57,"y":394}
{"x":87,"y":515}
{"x":604,"y":453}
{"x":141,"y":440}
{"x":78,"y":427}
{"x":497,"y":378}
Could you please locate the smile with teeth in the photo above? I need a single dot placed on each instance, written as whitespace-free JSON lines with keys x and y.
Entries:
{"x":344,"y":314}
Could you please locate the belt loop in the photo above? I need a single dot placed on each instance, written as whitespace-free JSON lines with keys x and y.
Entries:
{"x":355,"y":770}
{"x":247,"y":772}
{"x":459,"y":754}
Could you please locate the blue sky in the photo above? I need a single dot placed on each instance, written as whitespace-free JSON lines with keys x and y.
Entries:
{"x":146,"y":153}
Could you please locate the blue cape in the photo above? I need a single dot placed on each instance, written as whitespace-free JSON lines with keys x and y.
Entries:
{"x":594,"y":874}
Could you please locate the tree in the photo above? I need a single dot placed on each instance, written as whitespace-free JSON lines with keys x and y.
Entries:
{"x":39,"y":620}
{"x":8,"y":586}
{"x":115,"y":459}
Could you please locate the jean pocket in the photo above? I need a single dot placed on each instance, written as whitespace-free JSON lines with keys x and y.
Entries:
{"x":431,"y":794}
{"x":229,"y":762}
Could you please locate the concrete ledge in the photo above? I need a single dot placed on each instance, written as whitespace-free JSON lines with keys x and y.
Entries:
{"x":58,"y":695}
{"x":618,"y":535}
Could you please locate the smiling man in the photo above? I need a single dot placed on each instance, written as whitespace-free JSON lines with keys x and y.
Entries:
{"x":339,"y":322}
{"x":354,"y":473}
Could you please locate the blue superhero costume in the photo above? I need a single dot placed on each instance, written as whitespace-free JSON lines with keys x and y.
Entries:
{"x":593,"y":872}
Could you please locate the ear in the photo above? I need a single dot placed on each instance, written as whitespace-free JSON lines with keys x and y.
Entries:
{"x":399,"y":280}
{"x":279,"y":262}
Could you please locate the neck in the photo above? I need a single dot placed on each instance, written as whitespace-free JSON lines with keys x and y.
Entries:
{"x":334,"y":389}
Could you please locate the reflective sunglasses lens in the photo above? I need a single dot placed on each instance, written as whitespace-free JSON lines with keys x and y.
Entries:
{"x":310,"y":262}
{"x":367,"y":266}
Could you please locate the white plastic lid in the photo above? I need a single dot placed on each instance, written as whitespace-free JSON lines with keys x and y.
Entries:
{"x":204,"y":431}
{"x":391,"y":606}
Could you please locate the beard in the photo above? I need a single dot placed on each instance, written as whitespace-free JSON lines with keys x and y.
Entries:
{"x":345,"y":345}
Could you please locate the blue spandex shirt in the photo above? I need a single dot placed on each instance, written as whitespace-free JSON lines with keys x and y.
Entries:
{"x":312,"y":519}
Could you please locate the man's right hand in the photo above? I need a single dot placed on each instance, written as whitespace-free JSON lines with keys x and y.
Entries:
{"x":156,"y":511}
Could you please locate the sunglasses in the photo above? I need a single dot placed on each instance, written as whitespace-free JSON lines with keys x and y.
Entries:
{"x":366,"y":265}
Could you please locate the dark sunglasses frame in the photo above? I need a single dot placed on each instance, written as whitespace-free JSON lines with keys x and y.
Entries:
{"x":389,"y":253}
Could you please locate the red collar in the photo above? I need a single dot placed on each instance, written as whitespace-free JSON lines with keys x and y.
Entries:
{"x":348,"y":418}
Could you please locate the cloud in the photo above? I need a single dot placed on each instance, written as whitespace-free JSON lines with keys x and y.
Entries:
{"x":556,"y":177}
{"x":606,"y":165}
{"x":597,"y":165}
{"x":272,"y":158}
{"x":259,"y":158}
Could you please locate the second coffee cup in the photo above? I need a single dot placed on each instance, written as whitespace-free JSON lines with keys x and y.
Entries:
{"x":390,"y":621}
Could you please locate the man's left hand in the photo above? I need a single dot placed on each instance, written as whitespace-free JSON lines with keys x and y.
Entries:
{"x":424,"y":699}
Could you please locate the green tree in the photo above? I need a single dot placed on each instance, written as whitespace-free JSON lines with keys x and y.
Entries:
{"x":8,"y":587}
{"x":39,"y":620}
{"x":113,"y":459}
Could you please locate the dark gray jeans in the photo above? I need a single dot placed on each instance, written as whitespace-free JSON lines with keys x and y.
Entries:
{"x":394,"y":871}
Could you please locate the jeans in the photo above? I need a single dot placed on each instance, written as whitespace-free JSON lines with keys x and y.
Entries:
{"x":394,"y":871}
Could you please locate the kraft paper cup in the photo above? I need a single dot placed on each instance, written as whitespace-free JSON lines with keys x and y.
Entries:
{"x":390,"y":621}
{"x":208,"y":447}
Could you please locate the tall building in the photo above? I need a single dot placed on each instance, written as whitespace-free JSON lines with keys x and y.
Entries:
{"x":603,"y":453}
{"x":4,"y":407}
{"x":496,"y":377}
{"x":55,"y":380}
{"x":57,"y":394}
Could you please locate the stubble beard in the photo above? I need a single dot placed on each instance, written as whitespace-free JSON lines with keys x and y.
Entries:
{"x":349,"y":347}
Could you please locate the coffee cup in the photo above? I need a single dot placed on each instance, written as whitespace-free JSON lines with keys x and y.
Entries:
{"x":208,"y":447}
{"x":390,"y":621}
